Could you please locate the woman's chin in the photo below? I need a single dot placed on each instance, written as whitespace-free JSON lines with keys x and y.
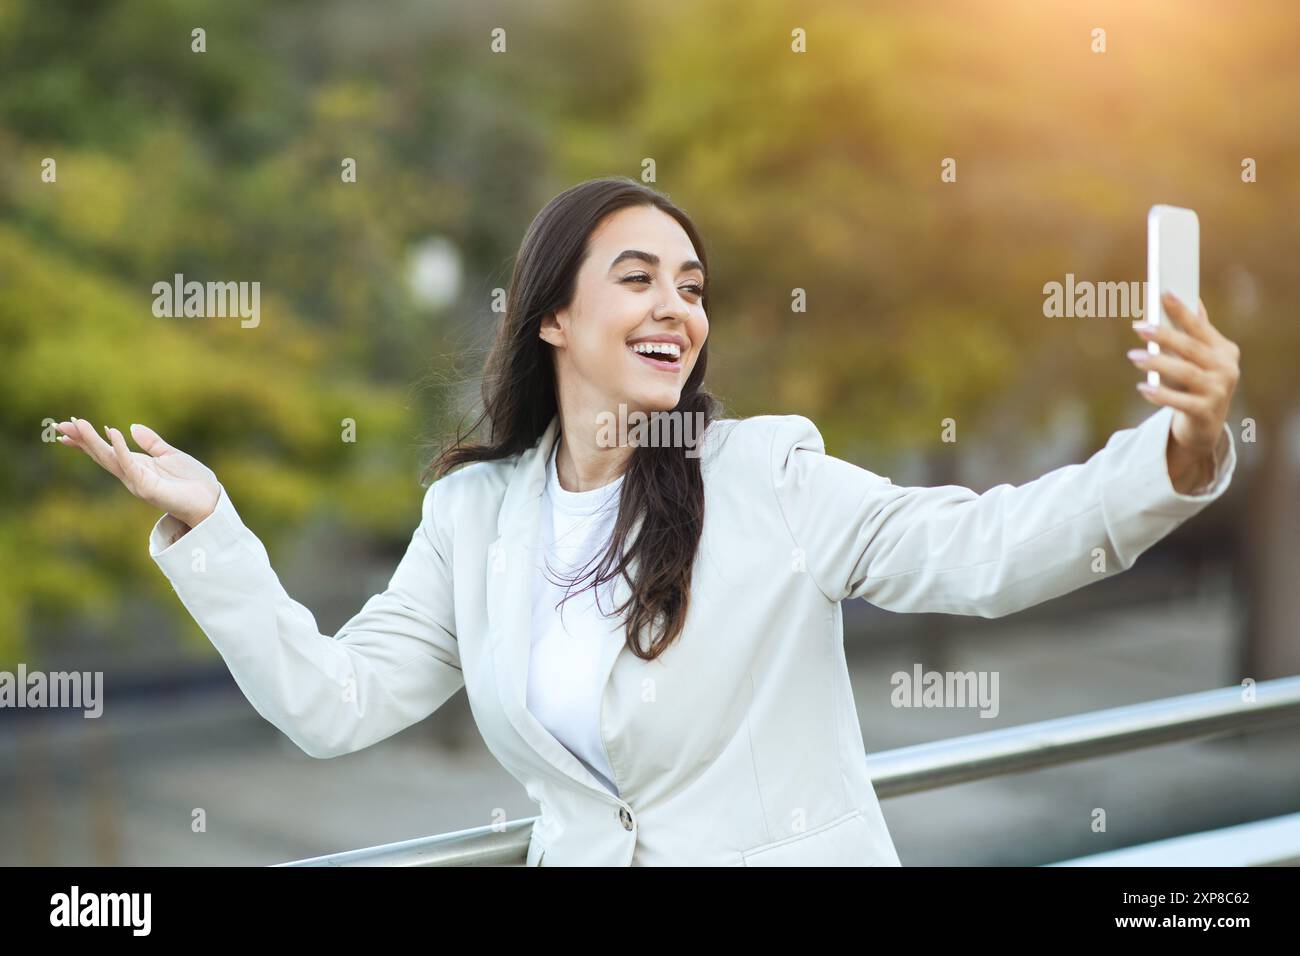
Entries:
{"x":659,"y":400}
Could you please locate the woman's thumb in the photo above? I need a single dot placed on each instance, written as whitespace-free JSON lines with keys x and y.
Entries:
{"x":149,"y":440}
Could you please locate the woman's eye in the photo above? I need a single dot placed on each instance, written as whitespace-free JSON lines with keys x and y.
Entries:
{"x":642,"y":277}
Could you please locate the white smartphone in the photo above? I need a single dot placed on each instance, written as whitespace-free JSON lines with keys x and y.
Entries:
{"x":1173,"y":265}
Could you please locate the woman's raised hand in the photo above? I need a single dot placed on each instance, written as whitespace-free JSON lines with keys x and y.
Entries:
{"x":166,"y":477}
{"x":1199,"y":369}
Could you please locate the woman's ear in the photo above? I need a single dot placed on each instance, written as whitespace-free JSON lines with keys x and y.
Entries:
{"x":551,"y":331}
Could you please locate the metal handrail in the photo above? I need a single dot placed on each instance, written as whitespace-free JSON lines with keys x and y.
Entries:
{"x":928,"y":766}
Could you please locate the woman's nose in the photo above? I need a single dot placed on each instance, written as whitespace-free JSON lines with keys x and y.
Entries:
{"x":671,"y":310}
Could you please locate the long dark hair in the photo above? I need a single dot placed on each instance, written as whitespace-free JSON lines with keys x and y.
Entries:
{"x":663,"y":488}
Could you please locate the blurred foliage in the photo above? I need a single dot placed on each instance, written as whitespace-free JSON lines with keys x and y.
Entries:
{"x":817,"y":171}
{"x":821,"y":171}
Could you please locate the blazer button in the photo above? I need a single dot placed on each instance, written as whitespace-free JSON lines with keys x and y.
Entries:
{"x":625,"y":817}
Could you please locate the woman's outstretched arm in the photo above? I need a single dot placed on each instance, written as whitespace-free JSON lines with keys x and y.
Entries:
{"x":950,"y":550}
{"x":391,"y":665}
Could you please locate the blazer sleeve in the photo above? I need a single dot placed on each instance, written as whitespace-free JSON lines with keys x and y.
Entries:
{"x":391,"y":665}
{"x":951,"y":550}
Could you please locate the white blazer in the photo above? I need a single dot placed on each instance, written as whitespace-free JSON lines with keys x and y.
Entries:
{"x":740,"y":745}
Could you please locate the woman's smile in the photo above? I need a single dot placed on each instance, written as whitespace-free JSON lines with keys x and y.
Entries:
{"x":663,"y":351}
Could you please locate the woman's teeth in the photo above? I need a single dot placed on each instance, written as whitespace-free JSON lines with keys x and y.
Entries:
{"x":664,"y":351}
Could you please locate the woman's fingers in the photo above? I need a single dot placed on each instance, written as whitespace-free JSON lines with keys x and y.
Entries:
{"x":1200,"y":369}
{"x":69,"y":436}
{"x":1221,"y":341}
{"x":96,"y":447}
{"x":1193,"y":404}
{"x":129,"y":469}
{"x":1172,"y":340}
{"x":72,"y":439}
{"x":150,"y":441}
{"x":1195,"y":325}
{"x":1174,"y":370}
{"x":133,"y":469}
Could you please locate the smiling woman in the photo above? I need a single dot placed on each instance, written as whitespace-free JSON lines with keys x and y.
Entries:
{"x":693,"y":706}
{"x":669,"y":340}
{"x":607,"y":311}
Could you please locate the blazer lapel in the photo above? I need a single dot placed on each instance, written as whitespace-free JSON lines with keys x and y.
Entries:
{"x":510,"y":572}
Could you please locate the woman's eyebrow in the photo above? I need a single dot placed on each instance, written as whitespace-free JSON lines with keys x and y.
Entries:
{"x":651,"y":259}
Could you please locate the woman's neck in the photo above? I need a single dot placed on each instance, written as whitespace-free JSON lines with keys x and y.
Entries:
{"x":582,"y":462}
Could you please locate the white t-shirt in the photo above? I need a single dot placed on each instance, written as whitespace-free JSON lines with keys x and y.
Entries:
{"x":564,"y":683}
